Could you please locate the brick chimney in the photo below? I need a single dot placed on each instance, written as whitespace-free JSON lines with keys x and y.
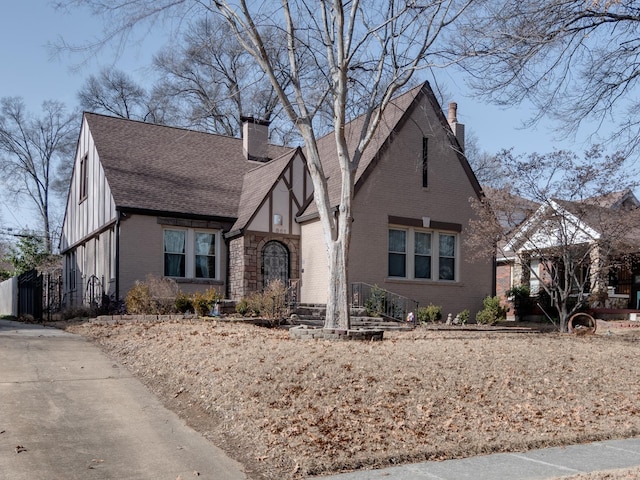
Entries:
{"x":255,"y":138}
{"x":456,"y":128}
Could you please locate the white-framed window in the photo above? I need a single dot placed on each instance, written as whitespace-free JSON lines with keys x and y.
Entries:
{"x":534,"y":279}
{"x":191,"y":253}
{"x":421,"y":254}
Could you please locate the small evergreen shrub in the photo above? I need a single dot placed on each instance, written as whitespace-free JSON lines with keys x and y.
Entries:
{"x":431,"y":313}
{"x":203,"y":302}
{"x":375,"y":304}
{"x":492,"y":312}
{"x":463,"y":316}
{"x":242,"y":307}
{"x":184,"y":303}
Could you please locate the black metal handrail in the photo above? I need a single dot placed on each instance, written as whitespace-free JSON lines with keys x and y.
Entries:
{"x":384,"y":303}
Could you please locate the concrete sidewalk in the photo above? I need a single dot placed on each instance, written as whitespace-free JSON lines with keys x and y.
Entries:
{"x":69,"y":412}
{"x":544,"y":464}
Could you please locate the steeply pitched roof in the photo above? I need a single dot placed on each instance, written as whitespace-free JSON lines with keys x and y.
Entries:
{"x":166,"y":169}
{"x":256,"y":186}
{"x":394,"y":115}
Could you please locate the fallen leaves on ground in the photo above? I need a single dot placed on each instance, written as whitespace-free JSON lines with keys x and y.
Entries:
{"x":288,"y":408}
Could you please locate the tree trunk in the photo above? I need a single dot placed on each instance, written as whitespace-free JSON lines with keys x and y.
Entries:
{"x":337,"y":314}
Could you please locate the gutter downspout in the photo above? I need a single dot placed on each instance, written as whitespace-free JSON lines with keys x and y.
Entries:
{"x":117,"y":256}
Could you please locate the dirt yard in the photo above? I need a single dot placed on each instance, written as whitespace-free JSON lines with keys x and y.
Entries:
{"x":289,"y":408}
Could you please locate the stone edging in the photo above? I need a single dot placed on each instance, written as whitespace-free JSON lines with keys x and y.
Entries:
{"x":306,"y":332}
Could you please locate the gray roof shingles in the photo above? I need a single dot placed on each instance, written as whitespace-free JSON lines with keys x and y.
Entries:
{"x":166,"y":169}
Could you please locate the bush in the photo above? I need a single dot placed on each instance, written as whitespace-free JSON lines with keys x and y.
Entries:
{"x":431,"y":313}
{"x":463,"y":316}
{"x":138,"y":299}
{"x":154,"y":296}
{"x":242,"y":307}
{"x":492,"y":312}
{"x":375,"y":304}
{"x":274,"y":304}
{"x":184,"y":303}
{"x":270,"y":304}
{"x":203,"y":302}
{"x":521,"y":297}
{"x":77,"y":311}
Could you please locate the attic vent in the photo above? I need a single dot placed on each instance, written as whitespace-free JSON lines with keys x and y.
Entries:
{"x":255,"y":137}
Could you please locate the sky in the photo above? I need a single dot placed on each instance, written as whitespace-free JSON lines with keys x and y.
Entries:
{"x":31,"y":70}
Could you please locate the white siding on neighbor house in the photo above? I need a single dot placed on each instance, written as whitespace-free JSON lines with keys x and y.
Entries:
{"x":314,"y":271}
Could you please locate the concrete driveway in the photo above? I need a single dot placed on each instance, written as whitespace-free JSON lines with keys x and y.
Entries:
{"x":69,"y":412}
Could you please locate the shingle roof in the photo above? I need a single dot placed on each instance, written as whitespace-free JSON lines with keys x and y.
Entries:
{"x":167,"y":169}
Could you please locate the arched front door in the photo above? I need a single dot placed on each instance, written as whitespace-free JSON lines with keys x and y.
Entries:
{"x":275,"y":263}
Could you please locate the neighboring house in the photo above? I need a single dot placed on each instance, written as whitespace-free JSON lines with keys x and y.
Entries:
{"x":583,"y":226}
{"x":208,"y":210}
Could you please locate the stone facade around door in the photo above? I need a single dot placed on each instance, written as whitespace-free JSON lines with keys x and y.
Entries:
{"x":245,"y":262}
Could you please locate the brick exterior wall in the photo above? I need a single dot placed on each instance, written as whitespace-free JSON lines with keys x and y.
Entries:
{"x":503,"y":283}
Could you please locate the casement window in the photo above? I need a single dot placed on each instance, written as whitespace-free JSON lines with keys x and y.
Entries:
{"x":190,"y":253}
{"x":422,"y":254}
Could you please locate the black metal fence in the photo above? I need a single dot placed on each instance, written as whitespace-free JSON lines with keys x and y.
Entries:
{"x":39,"y":294}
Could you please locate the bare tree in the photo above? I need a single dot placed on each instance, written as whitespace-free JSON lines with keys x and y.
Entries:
{"x":354,"y":55}
{"x":487,"y":167}
{"x":36,"y":154}
{"x":114,"y":92}
{"x":215,"y":82}
{"x":563,"y":221}
{"x":575,"y":60}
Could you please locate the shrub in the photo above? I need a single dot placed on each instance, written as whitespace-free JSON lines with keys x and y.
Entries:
{"x":274,"y":303}
{"x":242,"y":307}
{"x":138,"y":299}
{"x":521,"y":297}
{"x":270,"y":304}
{"x":431,"y":313}
{"x":154,"y":296}
{"x":203,"y":302}
{"x":492,"y":312}
{"x":375,"y":304}
{"x":463,"y":316}
{"x":77,"y":311}
{"x":184,"y":303}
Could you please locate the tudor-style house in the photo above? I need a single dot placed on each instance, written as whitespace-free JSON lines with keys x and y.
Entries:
{"x":210,"y":210}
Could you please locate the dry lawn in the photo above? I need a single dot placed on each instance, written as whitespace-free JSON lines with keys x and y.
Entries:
{"x":288,"y":408}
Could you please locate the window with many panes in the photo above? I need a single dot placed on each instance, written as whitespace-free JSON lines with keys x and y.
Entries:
{"x":417,"y":254}
{"x":189,"y":253}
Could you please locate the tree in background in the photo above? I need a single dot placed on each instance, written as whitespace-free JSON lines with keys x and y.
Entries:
{"x":561,"y":219}
{"x":205,"y":81}
{"x":35,"y":156}
{"x":575,"y":60}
